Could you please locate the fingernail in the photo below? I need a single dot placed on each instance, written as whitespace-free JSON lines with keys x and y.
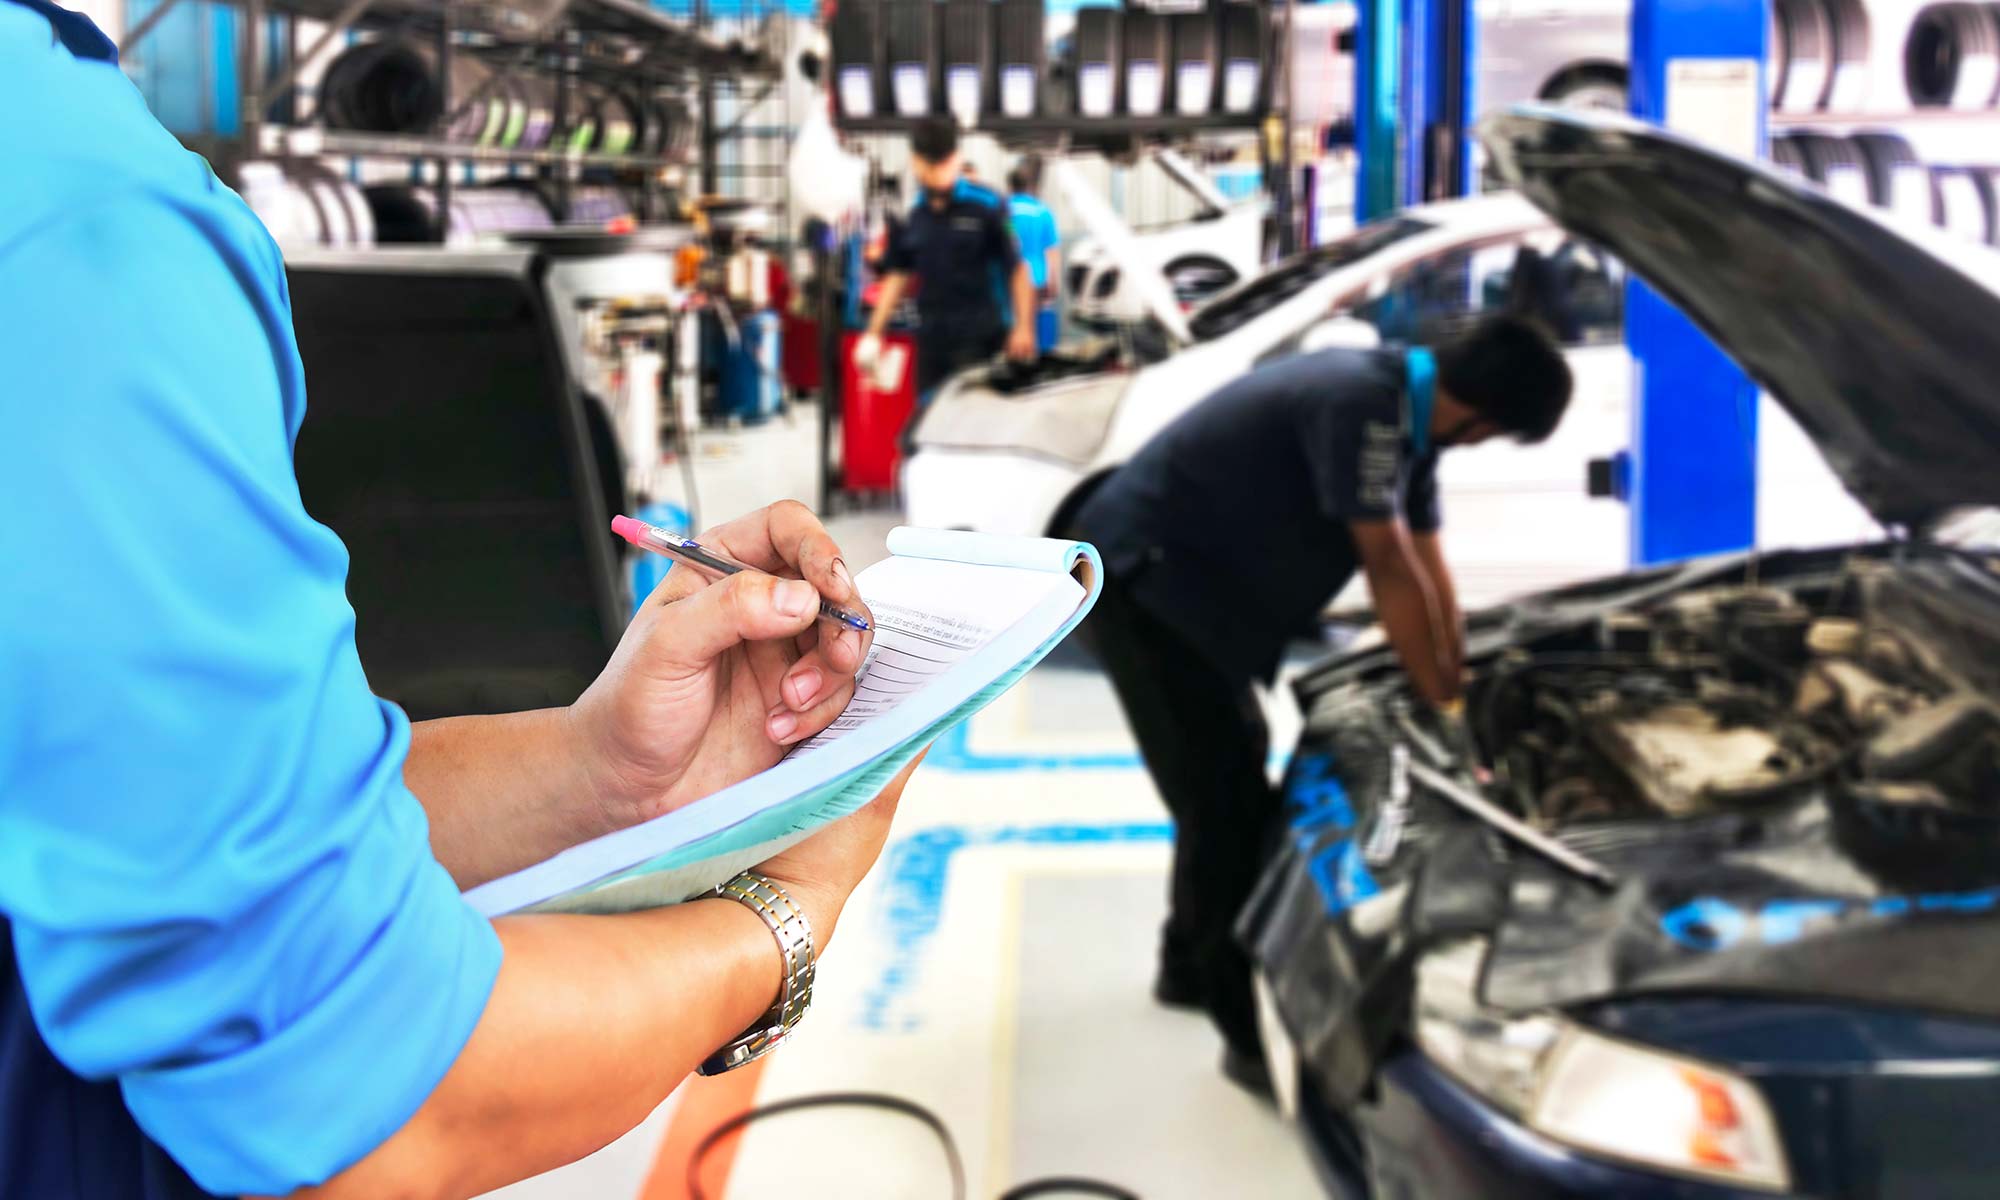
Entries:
{"x":805,"y":685}
{"x":781,"y":726}
{"x":841,"y":576}
{"x":795,"y":598}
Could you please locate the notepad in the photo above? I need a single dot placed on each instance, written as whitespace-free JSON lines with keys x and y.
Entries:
{"x":959,"y":618}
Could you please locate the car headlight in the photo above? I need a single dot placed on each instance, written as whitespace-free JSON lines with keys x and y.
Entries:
{"x":1597,"y":1094}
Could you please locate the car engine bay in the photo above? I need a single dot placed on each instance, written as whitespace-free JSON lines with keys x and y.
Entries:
{"x":1740,"y":695}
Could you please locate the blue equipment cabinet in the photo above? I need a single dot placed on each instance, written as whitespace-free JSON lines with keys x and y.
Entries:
{"x":1693,"y":463}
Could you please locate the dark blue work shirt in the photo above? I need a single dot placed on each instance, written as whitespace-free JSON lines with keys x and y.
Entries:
{"x":963,"y":253}
{"x":1231,"y":524}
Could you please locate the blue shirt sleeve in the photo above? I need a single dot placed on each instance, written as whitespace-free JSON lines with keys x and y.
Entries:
{"x":222,"y":893}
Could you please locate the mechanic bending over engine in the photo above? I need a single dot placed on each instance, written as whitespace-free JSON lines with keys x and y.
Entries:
{"x":959,"y":243}
{"x":1227,"y":535}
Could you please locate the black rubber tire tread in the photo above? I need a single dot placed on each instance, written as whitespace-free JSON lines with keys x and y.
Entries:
{"x":1966,"y":210}
{"x":1847,"y":81}
{"x":1888,"y":158}
{"x":1988,"y":179}
{"x":1836,"y":165}
{"x":1787,"y":157}
{"x":1951,"y":57}
{"x":1806,"y":36}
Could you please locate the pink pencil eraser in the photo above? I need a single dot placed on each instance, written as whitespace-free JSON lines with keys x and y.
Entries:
{"x":628,"y":529}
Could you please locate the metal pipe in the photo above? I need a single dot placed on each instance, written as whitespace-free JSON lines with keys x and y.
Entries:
{"x":252,"y":89}
{"x":145,"y":26}
{"x":1512,"y":827}
{"x":445,"y":111}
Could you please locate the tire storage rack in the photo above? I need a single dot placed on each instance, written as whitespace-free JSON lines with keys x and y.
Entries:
{"x":1146,"y":71}
{"x":1893,"y":104}
{"x":565,"y":87}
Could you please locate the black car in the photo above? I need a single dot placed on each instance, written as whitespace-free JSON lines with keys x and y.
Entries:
{"x":1702,"y":896}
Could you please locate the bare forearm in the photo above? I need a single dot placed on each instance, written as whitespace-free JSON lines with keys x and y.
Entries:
{"x":1410,"y":616}
{"x":1431,"y":558}
{"x":1024,"y":296}
{"x":502,"y":792}
{"x":593,"y":1022}
{"x":886,"y":302}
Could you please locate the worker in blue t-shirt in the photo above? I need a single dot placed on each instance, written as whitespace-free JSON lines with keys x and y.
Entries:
{"x":1035,"y":230}
{"x":234,"y":958}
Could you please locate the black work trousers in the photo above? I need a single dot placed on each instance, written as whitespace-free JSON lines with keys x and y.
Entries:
{"x":1204,"y":740}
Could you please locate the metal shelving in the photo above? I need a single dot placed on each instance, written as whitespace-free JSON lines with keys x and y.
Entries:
{"x":1900,"y":118}
{"x":305,"y":141}
{"x":612,"y":42}
{"x":1165,"y":124}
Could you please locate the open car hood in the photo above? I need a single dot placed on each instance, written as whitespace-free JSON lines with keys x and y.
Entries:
{"x":1119,"y":243}
{"x":1882,"y":350}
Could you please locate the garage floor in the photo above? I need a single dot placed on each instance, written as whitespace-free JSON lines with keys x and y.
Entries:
{"x":995,"y":968}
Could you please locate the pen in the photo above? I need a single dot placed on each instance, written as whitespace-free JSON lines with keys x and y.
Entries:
{"x":687,"y":550}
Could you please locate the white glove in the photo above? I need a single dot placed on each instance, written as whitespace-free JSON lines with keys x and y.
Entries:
{"x":890,"y":367}
{"x":867,"y":352}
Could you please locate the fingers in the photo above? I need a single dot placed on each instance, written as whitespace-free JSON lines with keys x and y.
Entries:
{"x":749,"y":607}
{"x":786,"y":538}
{"x":788,"y":727}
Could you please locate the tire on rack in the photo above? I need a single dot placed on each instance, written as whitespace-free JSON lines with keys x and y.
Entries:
{"x":1965,"y":203}
{"x":389,"y":86}
{"x":1951,"y":57}
{"x":1805,"y":35}
{"x":1787,"y":157}
{"x":1897,"y":180}
{"x":1836,"y":165}
{"x":1847,"y":84}
{"x":322,"y":189}
{"x":1590,"y":87}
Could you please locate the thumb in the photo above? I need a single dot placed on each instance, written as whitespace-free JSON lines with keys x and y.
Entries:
{"x":746,"y":607}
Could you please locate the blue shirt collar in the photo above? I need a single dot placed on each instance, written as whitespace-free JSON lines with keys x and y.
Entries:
{"x":1419,"y":394}
{"x":79,"y":35}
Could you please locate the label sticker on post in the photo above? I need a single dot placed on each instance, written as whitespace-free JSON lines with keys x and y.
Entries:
{"x":1194,"y":87}
{"x":961,"y":92}
{"x":1239,"y":85}
{"x":1017,"y":91}
{"x":912,"y":82}
{"x":857,"y":91}
{"x":1716,"y":100}
{"x":1142,"y":87}
{"x":1096,"y":90}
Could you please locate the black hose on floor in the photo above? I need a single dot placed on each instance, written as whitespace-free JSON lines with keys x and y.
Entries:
{"x":1055,"y":1185}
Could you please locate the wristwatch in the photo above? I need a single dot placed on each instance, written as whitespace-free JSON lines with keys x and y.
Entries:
{"x":787,"y":922}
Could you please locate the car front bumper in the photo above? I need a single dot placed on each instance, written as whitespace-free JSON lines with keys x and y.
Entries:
{"x":1425,"y":1137}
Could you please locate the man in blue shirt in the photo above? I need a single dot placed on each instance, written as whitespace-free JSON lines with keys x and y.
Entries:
{"x":1035,"y":230}
{"x":233,"y":955}
{"x":974,"y":297}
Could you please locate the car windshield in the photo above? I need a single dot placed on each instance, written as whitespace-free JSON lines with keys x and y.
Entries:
{"x":1233,"y":309}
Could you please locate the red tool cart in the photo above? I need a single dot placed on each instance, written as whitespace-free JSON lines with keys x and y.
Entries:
{"x":871,"y":420}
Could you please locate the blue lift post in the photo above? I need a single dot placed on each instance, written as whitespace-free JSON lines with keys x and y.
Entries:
{"x":1693,"y":465}
{"x":1413,"y":103}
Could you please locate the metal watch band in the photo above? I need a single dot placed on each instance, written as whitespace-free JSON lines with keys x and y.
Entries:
{"x":787,"y":922}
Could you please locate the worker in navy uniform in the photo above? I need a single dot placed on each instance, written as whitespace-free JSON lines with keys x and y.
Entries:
{"x":1227,"y":535}
{"x":975,"y":296}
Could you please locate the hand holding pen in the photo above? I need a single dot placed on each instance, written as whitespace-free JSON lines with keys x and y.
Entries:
{"x":687,"y":550}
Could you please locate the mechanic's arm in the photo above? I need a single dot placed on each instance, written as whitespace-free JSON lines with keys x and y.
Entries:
{"x":894,"y":284}
{"x":594,"y":1021}
{"x":1431,"y":557}
{"x":1407,"y":606}
{"x":1052,"y":271}
{"x":1021,"y":341}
